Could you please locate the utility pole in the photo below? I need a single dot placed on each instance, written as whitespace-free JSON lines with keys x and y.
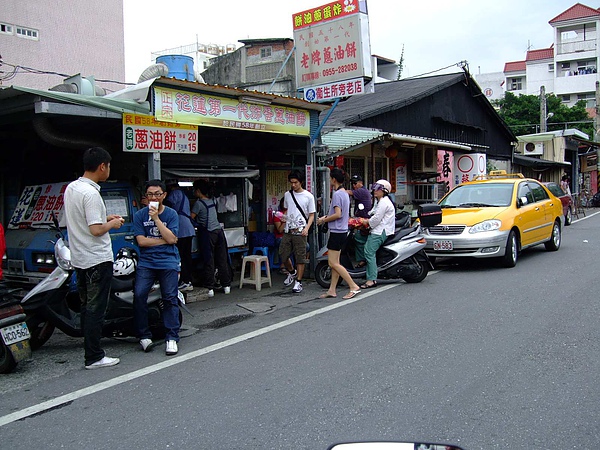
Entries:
{"x":543,"y":116}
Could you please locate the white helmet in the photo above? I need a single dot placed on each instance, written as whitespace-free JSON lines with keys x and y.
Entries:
{"x":382,"y":185}
{"x":125,"y":263}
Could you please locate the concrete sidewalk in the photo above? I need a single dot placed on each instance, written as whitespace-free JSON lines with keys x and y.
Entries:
{"x":241,"y":303}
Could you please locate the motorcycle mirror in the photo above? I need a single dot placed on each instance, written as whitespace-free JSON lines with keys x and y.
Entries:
{"x":392,"y":446}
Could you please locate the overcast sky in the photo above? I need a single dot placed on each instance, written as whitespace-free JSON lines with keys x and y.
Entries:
{"x":435,"y":33}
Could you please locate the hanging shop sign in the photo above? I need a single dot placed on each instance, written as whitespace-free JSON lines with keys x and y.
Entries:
{"x":143,"y":133}
{"x":193,"y":108}
{"x":37,"y":204}
{"x":334,"y":90}
{"x":332,"y":43}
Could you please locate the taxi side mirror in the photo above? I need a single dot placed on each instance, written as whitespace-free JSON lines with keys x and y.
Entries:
{"x":522,"y":201}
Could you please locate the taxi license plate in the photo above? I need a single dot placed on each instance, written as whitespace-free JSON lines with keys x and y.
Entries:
{"x":442,"y":245}
{"x":15,"y":333}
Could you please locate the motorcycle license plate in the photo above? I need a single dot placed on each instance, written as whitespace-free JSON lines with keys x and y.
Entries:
{"x":15,"y":333}
{"x":443,"y":245}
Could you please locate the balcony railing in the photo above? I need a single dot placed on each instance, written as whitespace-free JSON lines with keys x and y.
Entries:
{"x":577,"y":46}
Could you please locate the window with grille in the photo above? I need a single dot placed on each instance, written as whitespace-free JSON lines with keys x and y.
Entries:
{"x":362,"y":167}
{"x":265,"y":52}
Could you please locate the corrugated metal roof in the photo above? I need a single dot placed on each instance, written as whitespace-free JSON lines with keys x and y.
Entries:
{"x":344,"y":140}
{"x":108,"y":104}
{"x":347,"y":139}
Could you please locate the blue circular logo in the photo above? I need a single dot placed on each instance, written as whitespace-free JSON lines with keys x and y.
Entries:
{"x":310,"y":95}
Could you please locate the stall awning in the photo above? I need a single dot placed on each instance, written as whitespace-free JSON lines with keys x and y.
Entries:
{"x":537,"y":163}
{"x":344,"y":140}
{"x":197,"y":172}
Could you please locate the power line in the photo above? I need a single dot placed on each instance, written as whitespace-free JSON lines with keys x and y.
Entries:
{"x":24,"y":69}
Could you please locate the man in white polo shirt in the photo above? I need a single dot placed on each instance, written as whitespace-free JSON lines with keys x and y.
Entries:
{"x":91,"y":250}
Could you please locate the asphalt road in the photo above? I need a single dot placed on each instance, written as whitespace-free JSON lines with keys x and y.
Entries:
{"x":476,"y":355}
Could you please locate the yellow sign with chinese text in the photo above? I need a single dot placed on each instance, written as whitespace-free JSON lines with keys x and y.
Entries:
{"x":194,"y":108}
{"x":143,"y":133}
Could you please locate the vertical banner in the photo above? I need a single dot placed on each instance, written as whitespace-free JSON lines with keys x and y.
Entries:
{"x":445,"y":164}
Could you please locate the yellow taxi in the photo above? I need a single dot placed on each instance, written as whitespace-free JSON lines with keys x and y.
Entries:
{"x":496,"y":215}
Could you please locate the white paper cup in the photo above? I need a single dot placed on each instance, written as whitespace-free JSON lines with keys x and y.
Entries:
{"x":152,"y":204}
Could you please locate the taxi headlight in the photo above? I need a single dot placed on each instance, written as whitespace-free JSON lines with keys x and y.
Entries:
{"x":486,"y":225}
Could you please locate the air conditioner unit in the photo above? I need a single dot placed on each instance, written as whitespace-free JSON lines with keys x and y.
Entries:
{"x":534,"y":148}
{"x":425,"y":160}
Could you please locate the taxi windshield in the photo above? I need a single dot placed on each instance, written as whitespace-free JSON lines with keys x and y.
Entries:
{"x":479,"y":195}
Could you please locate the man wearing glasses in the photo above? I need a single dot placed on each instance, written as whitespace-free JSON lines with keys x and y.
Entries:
{"x":155,"y":228}
{"x":362,"y":205}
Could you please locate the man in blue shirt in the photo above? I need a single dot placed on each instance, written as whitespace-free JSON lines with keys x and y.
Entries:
{"x":362,"y":205}
{"x":155,"y":229}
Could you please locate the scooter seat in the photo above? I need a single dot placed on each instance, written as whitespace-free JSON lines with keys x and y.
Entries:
{"x":120,"y":284}
{"x":399,"y":234}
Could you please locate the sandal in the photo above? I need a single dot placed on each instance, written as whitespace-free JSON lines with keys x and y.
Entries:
{"x":369,"y":286}
{"x":351,"y":294}
{"x":326,"y":295}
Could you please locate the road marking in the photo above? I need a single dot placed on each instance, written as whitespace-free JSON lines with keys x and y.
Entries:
{"x":586,"y":217}
{"x":59,"y":401}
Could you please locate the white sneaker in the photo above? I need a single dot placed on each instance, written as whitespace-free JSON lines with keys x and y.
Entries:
{"x":104,"y":362}
{"x":297,"y":287}
{"x":227,"y":289}
{"x":185,"y":287}
{"x":171,"y":348}
{"x":291,"y":277}
{"x":211,"y":293}
{"x":146,"y":344}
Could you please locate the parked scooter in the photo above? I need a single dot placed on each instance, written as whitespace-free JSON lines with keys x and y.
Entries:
{"x":401,"y":255}
{"x":14,"y":334}
{"x":53,"y":304}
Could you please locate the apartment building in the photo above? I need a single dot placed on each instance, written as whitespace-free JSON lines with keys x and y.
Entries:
{"x":41,"y":41}
{"x":568,"y":68}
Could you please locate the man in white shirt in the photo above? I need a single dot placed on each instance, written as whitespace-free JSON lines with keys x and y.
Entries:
{"x":300,"y":215}
{"x":91,"y":250}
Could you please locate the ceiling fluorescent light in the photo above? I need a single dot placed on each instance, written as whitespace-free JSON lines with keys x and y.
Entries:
{"x":408,"y":145}
{"x":255,"y":100}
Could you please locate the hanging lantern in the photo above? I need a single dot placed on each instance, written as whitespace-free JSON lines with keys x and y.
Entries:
{"x":391,"y":151}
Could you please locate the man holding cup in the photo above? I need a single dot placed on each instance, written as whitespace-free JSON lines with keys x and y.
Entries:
{"x":155,"y":229}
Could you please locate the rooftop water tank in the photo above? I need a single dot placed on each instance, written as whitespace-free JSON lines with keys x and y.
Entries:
{"x":180,"y":66}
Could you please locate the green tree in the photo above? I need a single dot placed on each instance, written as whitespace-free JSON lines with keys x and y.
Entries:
{"x":522,"y":114}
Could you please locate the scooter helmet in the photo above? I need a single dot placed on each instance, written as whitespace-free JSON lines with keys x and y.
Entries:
{"x":125,"y":262}
{"x":382,"y":185}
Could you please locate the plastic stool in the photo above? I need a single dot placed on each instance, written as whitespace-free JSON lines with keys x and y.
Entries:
{"x":255,"y":271}
{"x":264,"y":251}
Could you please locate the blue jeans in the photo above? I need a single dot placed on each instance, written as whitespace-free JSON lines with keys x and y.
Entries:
{"x":374,"y":241}
{"x":168,"y":279}
{"x":93,"y":285}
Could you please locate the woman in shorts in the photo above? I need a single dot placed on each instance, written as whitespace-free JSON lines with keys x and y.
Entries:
{"x":337,"y":221}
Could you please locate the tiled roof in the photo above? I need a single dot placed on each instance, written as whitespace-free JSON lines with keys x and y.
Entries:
{"x":542,"y":53}
{"x":514,"y":66}
{"x":390,"y":96}
{"x":577,"y":11}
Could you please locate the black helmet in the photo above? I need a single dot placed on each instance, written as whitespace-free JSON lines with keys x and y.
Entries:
{"x":355,"y":178}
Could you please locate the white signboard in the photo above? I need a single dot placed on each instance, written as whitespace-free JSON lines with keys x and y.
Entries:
{"x":146,"y":134}
{"x":332,"y":43}
{"x":37,"y":204}
{"x":468,"y":166}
